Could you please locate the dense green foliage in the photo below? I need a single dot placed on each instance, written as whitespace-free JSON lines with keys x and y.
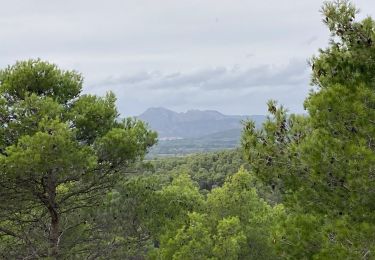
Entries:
{"x":208,"y":169}
{"x":74,"y":186}
{"x":323,"y":163}
{"x":60,"y":151}
{"x":171,"y":219}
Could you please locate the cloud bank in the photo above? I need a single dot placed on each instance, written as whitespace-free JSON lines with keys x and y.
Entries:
{"x":224,"y":88}
{"x":229,"y":55}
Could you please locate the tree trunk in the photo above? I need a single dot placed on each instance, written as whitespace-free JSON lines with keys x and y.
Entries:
{"x":54,"y":234}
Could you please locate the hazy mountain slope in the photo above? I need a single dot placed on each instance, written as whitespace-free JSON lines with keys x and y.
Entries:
{"x":193,"y":123}
{"x":228,"y":139}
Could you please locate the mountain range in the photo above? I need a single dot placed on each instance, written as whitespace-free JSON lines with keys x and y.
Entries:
{"x":194,"y":131}
{"x":193,"y":123}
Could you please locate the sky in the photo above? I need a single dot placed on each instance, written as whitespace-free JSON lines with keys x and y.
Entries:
{"x":225,"y":55}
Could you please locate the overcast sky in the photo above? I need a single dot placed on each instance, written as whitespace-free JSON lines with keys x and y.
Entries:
{"x":227,"y":55}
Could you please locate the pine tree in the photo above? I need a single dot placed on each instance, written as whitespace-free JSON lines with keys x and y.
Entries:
{"x":60,"y":151}
{"x":323,"y":164}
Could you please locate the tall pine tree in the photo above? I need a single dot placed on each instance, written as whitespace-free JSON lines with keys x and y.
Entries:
{"x":323,"y":164}
{"x":60,"y":151}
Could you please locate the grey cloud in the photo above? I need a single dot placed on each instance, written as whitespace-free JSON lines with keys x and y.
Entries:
{"x":39,"y":27}
{"x":224,"y":89}
{"x":132,"y":79}
{"x":295,"y":72}
{"x":310,"y":40}
{"x":149,"y":52}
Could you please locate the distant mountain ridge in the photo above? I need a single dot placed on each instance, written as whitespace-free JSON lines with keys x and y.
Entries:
{"x":193,"y":123}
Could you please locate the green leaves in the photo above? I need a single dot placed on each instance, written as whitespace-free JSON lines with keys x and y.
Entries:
{"x":230,"y":239}
{"x":52,"y":147}
{"x":322,"y":163}
{"x":59,"y":154}
{"x":349,"y":58}
{"x":233,"y":224}
{"x":93,"y":116}
{"x":193,"y":241}
{"x":39,"y":78}
{"x":238,"y":198}
{"x":125,"y":143}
